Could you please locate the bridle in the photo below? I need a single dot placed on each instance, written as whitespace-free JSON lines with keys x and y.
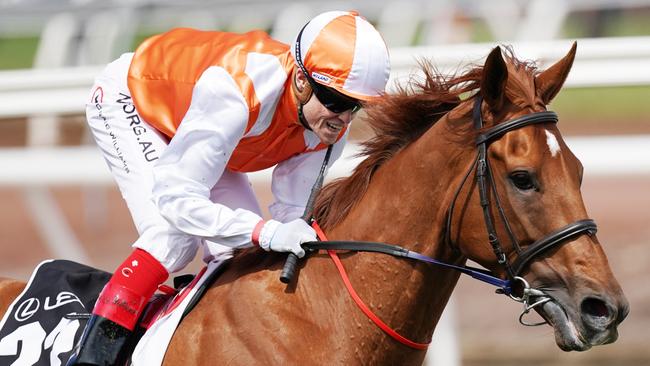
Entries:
{"x":530,"y":297}
{"x":486,"y":183}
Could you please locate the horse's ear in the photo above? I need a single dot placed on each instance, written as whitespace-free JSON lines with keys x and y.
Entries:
{"x":550,"y":81}
{"x":495,"y":76}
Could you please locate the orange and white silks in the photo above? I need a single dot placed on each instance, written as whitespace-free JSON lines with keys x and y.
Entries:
{"x":251,"y":67}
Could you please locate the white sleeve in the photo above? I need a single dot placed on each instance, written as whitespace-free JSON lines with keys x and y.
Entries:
{"x":195,"y":159}
{"x":293,"y":179}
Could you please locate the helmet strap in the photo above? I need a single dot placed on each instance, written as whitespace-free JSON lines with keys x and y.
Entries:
{"x":302,"y":119}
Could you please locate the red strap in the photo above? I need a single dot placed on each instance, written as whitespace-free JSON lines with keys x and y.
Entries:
{"x":167,"y":290}
{"x":255,"y":237}
{"x":360,"y":303}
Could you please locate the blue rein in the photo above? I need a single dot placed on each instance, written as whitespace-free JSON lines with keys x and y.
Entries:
{"x":505,"y":286}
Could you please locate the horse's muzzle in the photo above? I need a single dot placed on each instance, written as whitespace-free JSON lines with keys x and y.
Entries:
{"x":594,"y":322}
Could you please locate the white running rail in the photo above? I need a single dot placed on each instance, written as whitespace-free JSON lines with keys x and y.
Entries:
{"x":61,"y":166}
{"x":599,"y":62}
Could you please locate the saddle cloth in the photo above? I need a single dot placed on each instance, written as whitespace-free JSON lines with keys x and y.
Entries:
{"x":44,"y":323}
{"x":35,"y":329}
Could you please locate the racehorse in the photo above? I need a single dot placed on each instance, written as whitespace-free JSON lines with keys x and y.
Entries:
{"x":469,"y":166}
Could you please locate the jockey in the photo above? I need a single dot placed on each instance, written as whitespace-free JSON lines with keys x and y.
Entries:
{"x":183,"y":119}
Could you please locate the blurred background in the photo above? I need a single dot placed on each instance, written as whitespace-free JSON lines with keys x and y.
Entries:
{"x":57,"y":199}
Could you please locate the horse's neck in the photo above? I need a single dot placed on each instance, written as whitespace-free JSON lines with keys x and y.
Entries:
{"x":406,"y":204}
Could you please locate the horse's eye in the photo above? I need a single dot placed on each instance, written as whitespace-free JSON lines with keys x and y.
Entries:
{"x":522,"y":180}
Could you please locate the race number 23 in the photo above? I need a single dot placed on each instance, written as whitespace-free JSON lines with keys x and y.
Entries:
{"x":35,"y":341}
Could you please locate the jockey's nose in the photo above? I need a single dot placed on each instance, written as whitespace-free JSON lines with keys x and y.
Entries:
{"x":346,"y":116}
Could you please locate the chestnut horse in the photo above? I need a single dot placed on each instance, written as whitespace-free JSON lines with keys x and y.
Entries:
{"x":417,"y":188}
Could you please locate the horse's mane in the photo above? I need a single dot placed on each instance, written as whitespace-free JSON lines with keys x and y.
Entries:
{"x":398,"y":119}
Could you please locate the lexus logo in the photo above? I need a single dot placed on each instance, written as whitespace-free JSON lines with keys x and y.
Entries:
{"x":26,"y":309}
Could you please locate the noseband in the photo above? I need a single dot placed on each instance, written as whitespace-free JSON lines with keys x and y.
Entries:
{"x":486,"y":183}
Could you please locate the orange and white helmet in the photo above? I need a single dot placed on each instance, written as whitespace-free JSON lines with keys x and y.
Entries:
{"x":343,"y":51}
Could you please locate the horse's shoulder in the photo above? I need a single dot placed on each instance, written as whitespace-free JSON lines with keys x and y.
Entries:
{"x":250,"y":271}
{"x":11,"y":286}
{"x":9,"y":290}
{"x":254,"y":260}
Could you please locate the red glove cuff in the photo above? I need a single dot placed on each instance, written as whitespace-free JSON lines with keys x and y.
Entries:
{"x":255,"y":237}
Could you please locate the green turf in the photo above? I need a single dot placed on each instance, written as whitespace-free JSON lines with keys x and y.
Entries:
{"x":17,"y":53}
{"x":604,"y":103}
{"x":613,"y":24}
{"x":632,"y":25}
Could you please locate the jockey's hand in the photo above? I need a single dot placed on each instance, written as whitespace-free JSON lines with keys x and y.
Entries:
{"x":288,"y":237}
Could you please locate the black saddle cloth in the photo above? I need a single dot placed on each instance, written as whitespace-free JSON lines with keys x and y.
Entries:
{"x":46,"y":321}
{"x":38,"y":328}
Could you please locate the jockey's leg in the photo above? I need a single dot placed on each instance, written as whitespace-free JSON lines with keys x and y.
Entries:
{"x":130,"y":148}
{"x":106,"y":340}
{"x":117,"y":310}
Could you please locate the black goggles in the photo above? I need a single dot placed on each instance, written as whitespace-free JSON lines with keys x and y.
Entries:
{"x":333,"y":100}
{"x":328,"y":97}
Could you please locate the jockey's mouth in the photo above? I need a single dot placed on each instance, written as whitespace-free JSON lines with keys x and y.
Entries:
{"x":334,"y":126}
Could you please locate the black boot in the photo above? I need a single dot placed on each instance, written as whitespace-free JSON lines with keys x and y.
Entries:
{"x":103,"y":343}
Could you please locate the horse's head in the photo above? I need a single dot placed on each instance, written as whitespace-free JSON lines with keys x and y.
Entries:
{"x":534,"y":178}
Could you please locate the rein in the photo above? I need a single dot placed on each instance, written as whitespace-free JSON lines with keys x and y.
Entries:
{"x":396,"y":251}
{"x":348,"y":285}
{"x":504,"y":286}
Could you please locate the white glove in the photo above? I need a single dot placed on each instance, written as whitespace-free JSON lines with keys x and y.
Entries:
{"x":280,"y":237}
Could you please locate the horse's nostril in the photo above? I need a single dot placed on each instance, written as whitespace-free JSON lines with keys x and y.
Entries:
{"x":595,"y":308}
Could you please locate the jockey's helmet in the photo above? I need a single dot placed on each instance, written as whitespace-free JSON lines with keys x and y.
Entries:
{"x":342,"y":51}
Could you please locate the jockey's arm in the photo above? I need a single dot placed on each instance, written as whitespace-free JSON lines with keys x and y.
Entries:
{"x":195,"y":160}
{"x":294,"y":178}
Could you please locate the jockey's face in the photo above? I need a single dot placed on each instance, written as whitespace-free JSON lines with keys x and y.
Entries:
{"x":327,"y":125}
